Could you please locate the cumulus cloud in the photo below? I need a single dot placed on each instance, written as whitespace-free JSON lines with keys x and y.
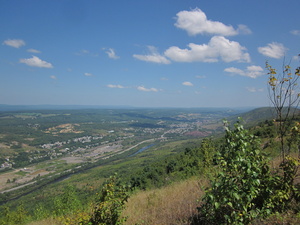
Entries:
{"x":243,"y":29}
{"x":253,"y":89}
{"x":142,"y":88}
{"x":218,"y":47}
{"x":295,"y":32}
{"x":273,"y":50}
{"x":200,"y":76}
{"x":187,"y":83}
{"x":15,"y":43}
{"x":36,"y":62}
{"x":114,"y":86}
{"x":111,"y":54}
{"x":250,"y":71}
{"x":33,"y":50}
{"x":195,"y":22}
{"x":53,"y":77}
{"x":88,"y":74}
{"x":153,"y":56}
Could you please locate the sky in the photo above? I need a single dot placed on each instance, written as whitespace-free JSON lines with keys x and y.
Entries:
{"x":144,"y":53}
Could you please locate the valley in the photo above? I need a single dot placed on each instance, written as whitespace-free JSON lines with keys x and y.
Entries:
{"x":42,"y":146}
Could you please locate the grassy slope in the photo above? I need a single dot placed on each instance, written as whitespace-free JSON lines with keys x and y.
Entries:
{"x":173,"y":204}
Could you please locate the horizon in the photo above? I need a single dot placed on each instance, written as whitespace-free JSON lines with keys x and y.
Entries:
{"x":7,"y":107}
{"x":144,"y":54}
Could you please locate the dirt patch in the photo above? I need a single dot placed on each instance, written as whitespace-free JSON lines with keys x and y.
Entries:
{"x":64,"y":128}
{"x":19,"y":179}
{"x":73,"y":159}
{"x":103,"y":149}
{"x":3,"y":146}
{"x":5,"y":177}
{"x":29,"y":139}
{"x":39,"y":172}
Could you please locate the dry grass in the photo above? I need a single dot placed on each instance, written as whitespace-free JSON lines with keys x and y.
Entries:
{"x":173,"y":204}
{"x":48,"y":221}
{"x":276,"y":161}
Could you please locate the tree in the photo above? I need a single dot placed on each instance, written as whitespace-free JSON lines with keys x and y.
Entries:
{"x":110,"y":204}
{"x":284,"y":95}
{"x":208,"y":150}
{"x":239,"y":192}
{"x":67,"y":202}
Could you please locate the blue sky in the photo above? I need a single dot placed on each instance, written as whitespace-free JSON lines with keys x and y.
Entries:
{"x":170,"y":53}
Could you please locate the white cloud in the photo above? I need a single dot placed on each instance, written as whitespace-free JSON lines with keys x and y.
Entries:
{"x":33,"y":50}
{"x":115,"y":86}
{"x":85,"y":52}
{"x":153,"y":56}
{"x":234,"y":70}
{"x":16,"y":43}
{"x":111,"y":54}
{"x":200,"y":77}
{"x":195,"y":22}
{"x":88,"y":74}
{"x":218,"y":47}
{"x":296,"y":57}
{"x":250,"y":71}
{"x":36,"y":62}
{"x":187,"y":83}
{"x":164,"y":78}
{"x":53,"y":77}
{"x":273,"y":50}
{"x":243,"y":29}
{"x":253,"y":89}
{"x":142,"y":88}
{"x":295,"y":32}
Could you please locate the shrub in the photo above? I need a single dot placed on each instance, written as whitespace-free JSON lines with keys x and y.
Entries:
{"x":110,"y":203}
{"x":237,"y":194}
{"x":244,"y":188}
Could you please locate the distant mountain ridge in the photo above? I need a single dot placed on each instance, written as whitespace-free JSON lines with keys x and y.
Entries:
{"x":5,"y":107}
{"x":259,"y":114}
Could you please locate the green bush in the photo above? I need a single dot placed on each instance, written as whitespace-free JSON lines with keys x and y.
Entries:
{"x":20,"y":216}
{"x":67,"y":202}
{"x":244,"y":188}
{"x":110,"y":204}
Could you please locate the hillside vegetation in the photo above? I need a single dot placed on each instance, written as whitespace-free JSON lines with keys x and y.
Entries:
{"x":170,"y":189}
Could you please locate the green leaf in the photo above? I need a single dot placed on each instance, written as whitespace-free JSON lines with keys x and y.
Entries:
{"x":217,"y":204}
{"x":236,"y":195}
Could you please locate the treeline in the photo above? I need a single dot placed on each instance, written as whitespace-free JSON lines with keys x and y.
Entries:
{"x":191,"y":162}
